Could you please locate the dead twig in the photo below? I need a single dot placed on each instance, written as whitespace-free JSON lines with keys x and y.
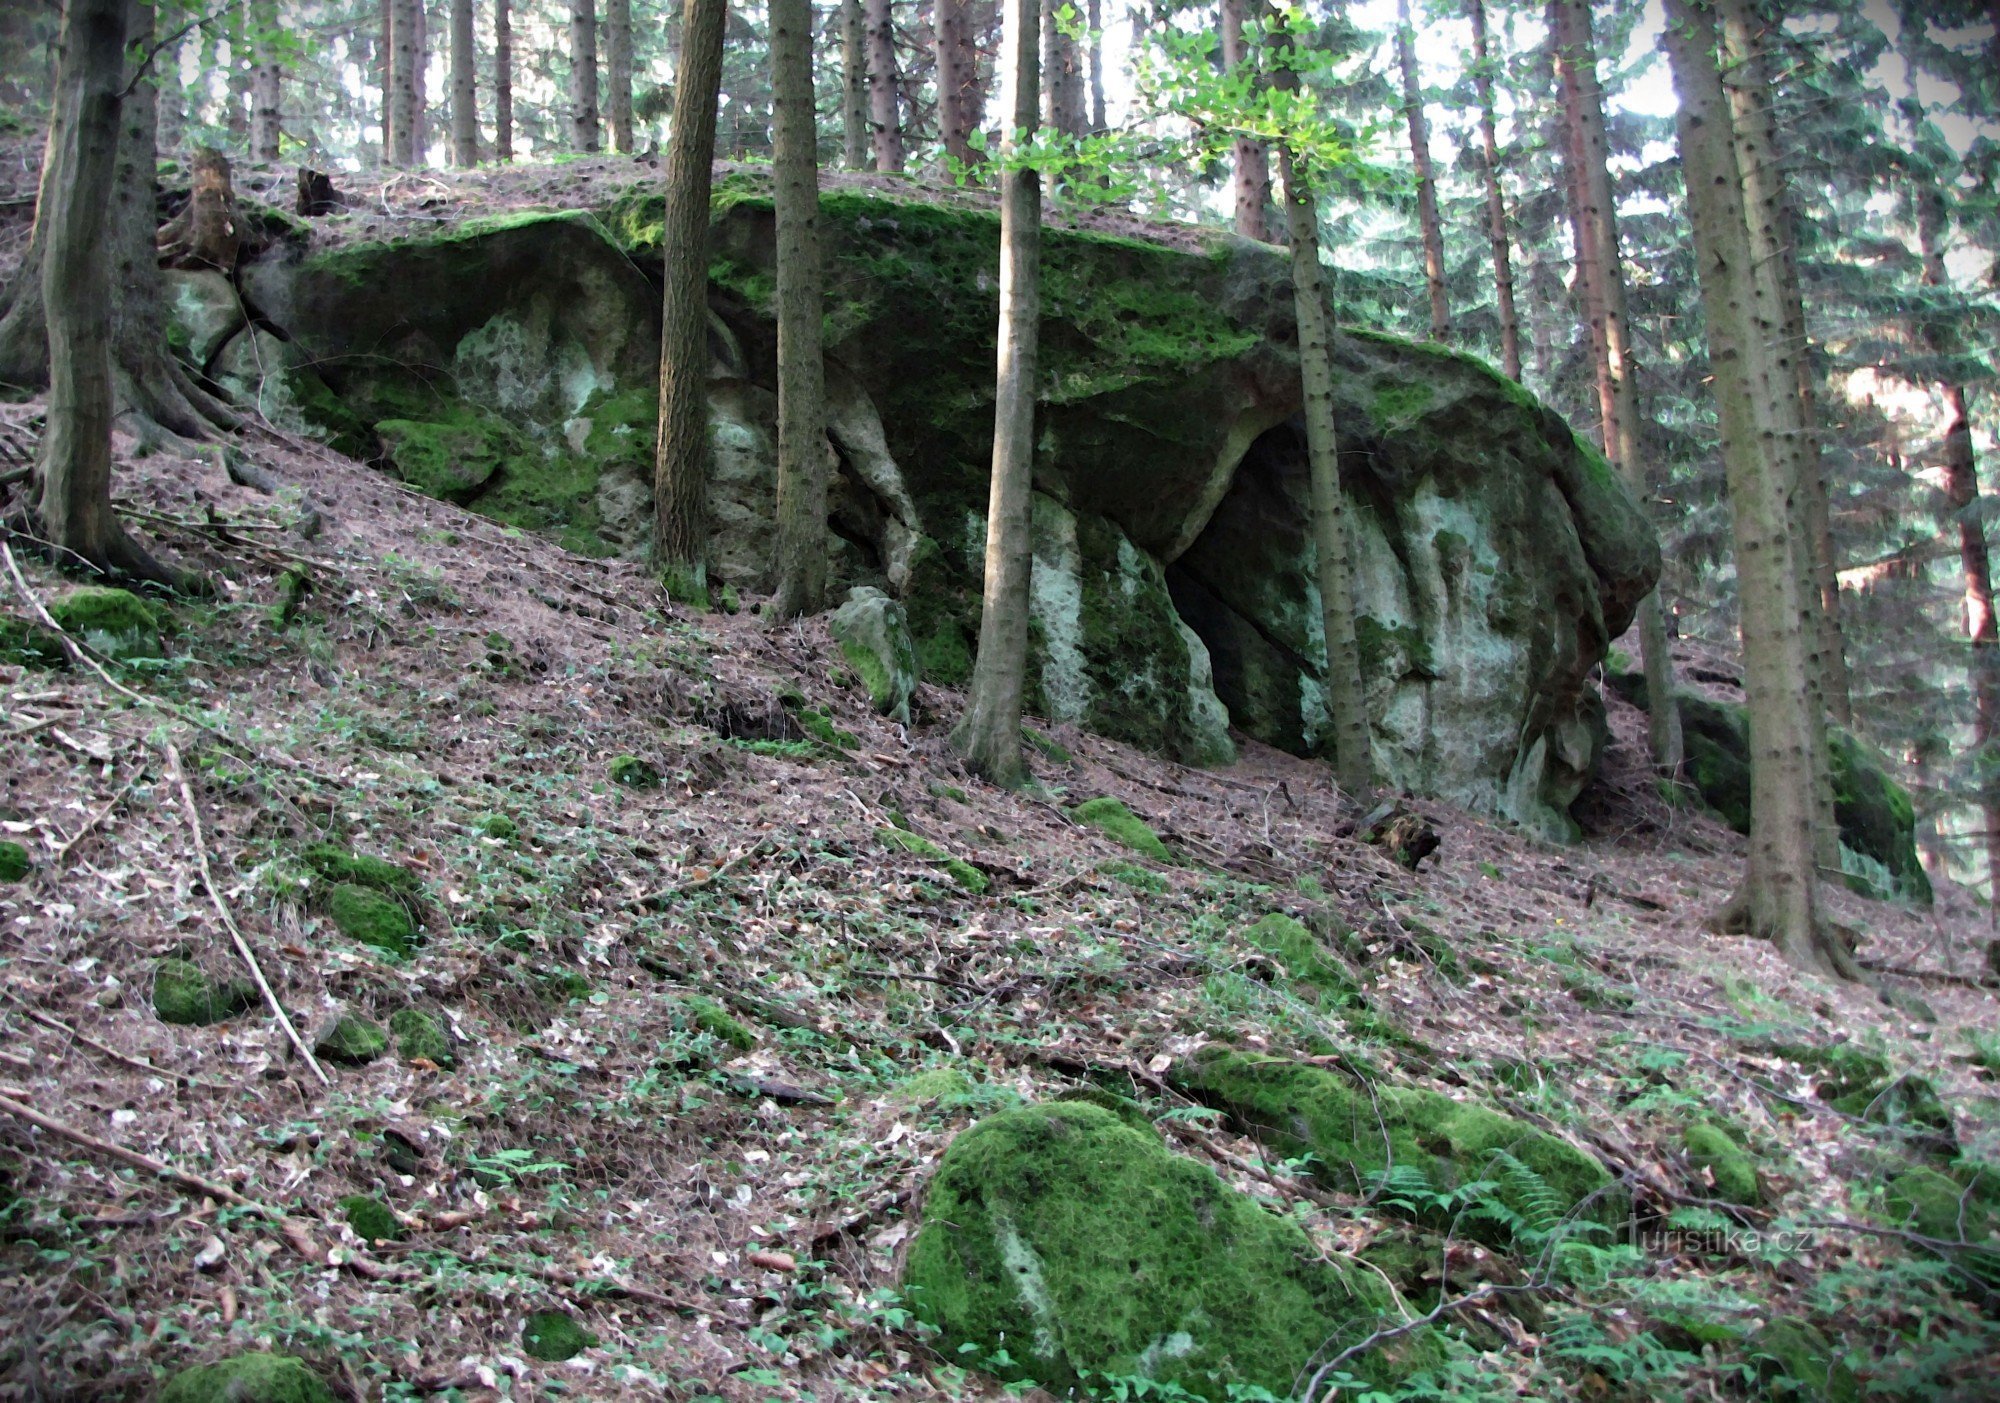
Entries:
{"x":90,"y":824}
{"x":57,"y":1025}
{"x":222,"y":1193}
{"x":229,"y":921}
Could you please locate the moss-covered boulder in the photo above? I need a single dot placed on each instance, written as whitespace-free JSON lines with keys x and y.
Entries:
{"x":14,"y":864}
{"x":419,"y":1036}
{"x":248,"y":1378}
{"x":1173,"y":588}
{"x":1357,"y":1132}
{"x":1060,"y":1244}
{"x":184,"y":993}
{"x":1713,"y":1152}
{"x":114,"y":622}
{"x":364,"y":914}
{"x":1305,"y":960}
{"x":334,"y":864}
{"x":1878,"y":825}
{"x":371,"y":1219}
{"x":710,"y":1017}
{"x":351,"y":1041}
{"x":1111,"y":818}
{"x":967,"y":877}
{"x":874,"y":637}
{"x":630,"y":772}
{"x":553,"y":1336}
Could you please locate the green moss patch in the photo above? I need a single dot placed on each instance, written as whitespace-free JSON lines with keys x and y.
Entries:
{"x":715,"y":1020}
{"x":14,"y":862}
{"x":1734,"y":1173}
{"x":553,"y":1336}
{"x":631,"y":772}
{"x":1111,"y":818}
{"x":248,"y":1378}
{"x":1356,"y":1132}
{"x":968,"y":877}
{"x":184,"y":994}
{"x":114,"y":622}
{"x":419,"y":1035}
{"x":27,"y":644}
{"x":1061,"y":1244}
{"x":353,"y":1041}
{"x":371,"y":1219}
{"x":1299,"y":951}
{"x":498,"y":826}
{"x":364,"y":914}
{"x":1793,"y":1362}
{"x":333,"y":863}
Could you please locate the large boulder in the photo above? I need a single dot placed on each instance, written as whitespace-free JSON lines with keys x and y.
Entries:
{"x":1061,"y":1242}
{"x":509,"y":364}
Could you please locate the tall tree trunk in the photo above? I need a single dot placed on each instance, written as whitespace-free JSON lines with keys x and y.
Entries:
{"x":72,"y":488}
{"x":802,"y":446}
{"x":1781,"y":325}
{"x":1252,"y":161}
{"x":1961,"y":490}
{"x":1420,"y":153}
{"x":503,"y":81}
{"x":408,"y":57}
{"x":236,"y":105}
{"x":266,"y":86}
{"x":1094,"y":17}
{"x":1496,"y":203}
{"x":385,"y":55}
{"x":1605,"y":304}
{"x":1779,"y":898}
{"x":854,"y":140}
{"x":883,"y":118}
{"x":583,"y":75}
{"x":957,"y":80}
{"x":420,"y":132}
{"x":988,"y":736}
{"x":618,"y":72}
{"x":681,"y":470}
{"x":464,"y":86}
{"x":1063,"y":78}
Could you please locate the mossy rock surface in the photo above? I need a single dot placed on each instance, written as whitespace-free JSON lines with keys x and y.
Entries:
{"x":28,"y":644}
{"x":1356,"y":1132}
{"x":183,"y":993}
{"x":968,"y":877}
{"x":1792,"y":1361}
{"x":712,"y":1018}
{"x":1082,"y":1247}
{"x":498,"y":826}
{"x":874,"y":637}
{"x":630,"y":772}
{"x":333,"y":863}
{"x":553,"y":1336}
{"x":1111,"y":818}
{"x":115,"y":622}
{"x":248,"y":1378}
{"x":1711,"y":1148}
{"x":1300,"y":952}
{"x":353,"y":1041}
{"x":371,"y":1219}
{"x":14,"y":864}
{"x":420,"y":1035}
{"x":364,"y":914}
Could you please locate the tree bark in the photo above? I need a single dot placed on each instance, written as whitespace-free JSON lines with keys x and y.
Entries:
{"x":1605,"y":306}
{"x":266,"y":87}
{"x":584,"y":135}
{"x":503,"y":81}
{"x":883,"y":119}
{"x":1063,"y":72}
{"x":385,"y":54}
{"x":1094,"y":17}
{"x":988,"y":736}
{"x":1961,"y":490}
{"x":680,"y":531}
{"x":1779,"y":898}
{"x":959,"y":106}
{"x":72,"y":486}
{"x":464,"y":86}
{"x":1420,"y":153}
{"x":618,"y":72}
{"x":853,"y":86}
{"x":408,"y":55}
{"x":1496,"y":203}
{"x":802,"y":446}
{"x":1252,"y":162}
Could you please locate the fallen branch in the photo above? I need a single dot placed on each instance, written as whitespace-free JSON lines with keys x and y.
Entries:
{"x":140,"y":1063}
{"x":90,"y":824}
{"x":229,"y":921}
{"x":222,"y":1193}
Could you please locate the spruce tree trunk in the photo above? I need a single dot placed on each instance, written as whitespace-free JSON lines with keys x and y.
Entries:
{"x":618,"y":72}
{"x":1496,"y":203}
{"x":988,"y":736}
{"x":1093,"y":16}
{"x":1062,"y":76}
{"x":1794,"y":444}
{"x":879,"y":21}
{"x":1779,"y":898}
{"x":1346,"y":698}
{"x":464,"y":86}
{"x":1605,"y":306}
{"x":957,"y":80}
{"x":72,"y":487}
{"x":854,"y":143}
{"x":1251,"y":160}
{"x":408,"y":54}
{"x":802,"y":446}
{"x":385,"y":56}
{"x":1420,"y":153}
{"x":584,"y":135}
{"x":503,"y":81}
{"x":420,"y":134}
{"x":681,"y":470}
{"x":266,"y":87}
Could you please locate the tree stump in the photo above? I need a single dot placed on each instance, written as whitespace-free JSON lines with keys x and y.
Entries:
{"x":206,"y":233}
{"x":316,"y":194}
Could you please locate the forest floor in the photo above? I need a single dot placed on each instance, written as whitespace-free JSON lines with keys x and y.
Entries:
{"x":726,"y":1220}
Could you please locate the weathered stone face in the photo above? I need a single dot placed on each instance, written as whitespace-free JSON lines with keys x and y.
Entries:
{"x":1174,"y":588}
